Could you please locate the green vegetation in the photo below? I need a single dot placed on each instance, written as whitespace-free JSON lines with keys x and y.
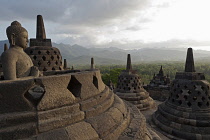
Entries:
{"x":147,"y":70}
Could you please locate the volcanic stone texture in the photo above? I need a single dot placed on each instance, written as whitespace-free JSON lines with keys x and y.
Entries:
{"x":49,"y":107}
{"x":185,"y":114}
{"x":129,"y":88}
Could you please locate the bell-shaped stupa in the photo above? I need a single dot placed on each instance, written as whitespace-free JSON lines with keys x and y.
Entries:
{"x":130,"y":88}
{"x":43,"y":55}
{"x":186,"y":113}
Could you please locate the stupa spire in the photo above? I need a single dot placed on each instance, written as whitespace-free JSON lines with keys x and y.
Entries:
{"x":40,"y":30}
{"x":5,"y":47}
{"x":129,"y":66}
{"x":92,"y":63}
{"x":161,"y":71}
{"x":189,"y":65}
{"x":65,"y":64}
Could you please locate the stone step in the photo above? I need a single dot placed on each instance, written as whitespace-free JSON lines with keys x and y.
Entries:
{"x":60,"y":121}
{"x":101,"y":107}
{"x":183,"y":117}
{"x":12,"y":119}
{"x":18,"y":131}
{"x":112,"y":122}
{"x":59,"y":112}
{"x":89,"y":103}
{"x":180,"y":130}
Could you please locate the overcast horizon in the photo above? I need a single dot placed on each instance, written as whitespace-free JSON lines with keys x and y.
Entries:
{"x":126,"y":24}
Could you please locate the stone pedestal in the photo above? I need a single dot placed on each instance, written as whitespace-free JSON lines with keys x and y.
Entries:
{"x":66,"y":106}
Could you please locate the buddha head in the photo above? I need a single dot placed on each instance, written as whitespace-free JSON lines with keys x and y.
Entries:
{"x":17,"y":35}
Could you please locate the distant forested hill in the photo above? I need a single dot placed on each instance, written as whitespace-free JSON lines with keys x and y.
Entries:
{"x":79,"y":55}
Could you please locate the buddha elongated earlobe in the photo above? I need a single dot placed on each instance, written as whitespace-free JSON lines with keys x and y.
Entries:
{"x":13,"y":39}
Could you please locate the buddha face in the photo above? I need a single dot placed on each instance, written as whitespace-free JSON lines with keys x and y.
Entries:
{"x":22,"y":40}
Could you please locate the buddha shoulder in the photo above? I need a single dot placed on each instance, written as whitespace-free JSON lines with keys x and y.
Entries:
{"x":10,"y":54}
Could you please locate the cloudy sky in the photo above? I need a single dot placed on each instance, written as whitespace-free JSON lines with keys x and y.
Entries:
{"x":127,"y":24}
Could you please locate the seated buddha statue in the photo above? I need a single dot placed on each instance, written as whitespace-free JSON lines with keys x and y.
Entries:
{"x":15,"y":62}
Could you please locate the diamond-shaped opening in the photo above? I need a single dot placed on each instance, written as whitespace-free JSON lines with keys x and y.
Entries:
{"x":34,"y":57}
{"x":207,"y":104}
{"x":189,"y":104}
{"x":172,"y":100}
{"x":45,"y":69}
{"x":203,"y":98}
{"x":39,"y":52}
{"x":53,"y":68}
{"x":48,"y":52}
{"x":185,"y":86}
{"x":177,"y":96}
{"x":180,"y":102}
{"x":56,"y":62}
{"x":198,"y":92}
{"x":44,"y":58}
{"x":39,"y":63}
{"x":48,"y":63}
{"x":55,"y":52}
{"x":199,"y":104}
{"x":185,"y":97}
{"x":58,"y":56}
{"x":194,"y":98}
{"x":60,"y":68}
{"x":52,"y":57}
{"x":95,"y":81}
{"x":31,"y":52}
{"x":189,"y":92}
{"x":35,"y":94}
{"x":74,"y":86}
{"x":202,"y":87}
{"x":178,"y":85}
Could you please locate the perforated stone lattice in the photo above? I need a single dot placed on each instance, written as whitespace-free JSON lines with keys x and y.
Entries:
{"x":190,"y":94}
{"x":45,"y":58}
{"x":131,"y":83}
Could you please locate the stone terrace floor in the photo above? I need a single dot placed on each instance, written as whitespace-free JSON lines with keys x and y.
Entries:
{"x":150,"y":124}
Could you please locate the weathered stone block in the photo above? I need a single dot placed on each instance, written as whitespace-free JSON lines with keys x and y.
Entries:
{"x":12,"y":96}
{"x":81,"y":131}
{"x":56,"y":94}
{"x":88,"y":89}
{"x":57,"y":134}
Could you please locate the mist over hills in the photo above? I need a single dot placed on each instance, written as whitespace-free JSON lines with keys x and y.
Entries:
{"x":79,"y":55}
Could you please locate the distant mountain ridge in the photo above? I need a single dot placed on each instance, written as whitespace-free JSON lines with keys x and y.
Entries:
{"x":76,"y":54}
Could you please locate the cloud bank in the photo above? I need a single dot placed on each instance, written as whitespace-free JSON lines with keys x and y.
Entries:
{"x":127,"y":24}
